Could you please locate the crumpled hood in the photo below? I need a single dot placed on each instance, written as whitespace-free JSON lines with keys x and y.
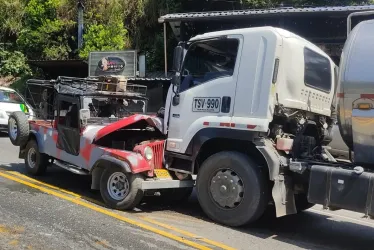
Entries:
{"x":136,"y":121}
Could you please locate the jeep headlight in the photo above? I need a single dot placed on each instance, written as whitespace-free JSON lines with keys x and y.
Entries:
{"x":148,"y":153}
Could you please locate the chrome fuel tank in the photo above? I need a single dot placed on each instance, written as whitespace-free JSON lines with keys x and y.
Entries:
{"x":355,"y":94}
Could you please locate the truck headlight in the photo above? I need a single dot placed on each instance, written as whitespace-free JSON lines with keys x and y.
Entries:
{"x":148,"y":153}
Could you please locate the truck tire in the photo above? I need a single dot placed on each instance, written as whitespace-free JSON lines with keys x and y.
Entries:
{"x":36,"y":163}
{"x":121,"y":190}
{"x":232,"y":189}
{"x":18,"y":128}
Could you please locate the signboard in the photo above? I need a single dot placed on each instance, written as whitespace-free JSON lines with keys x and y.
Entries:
{"x":102,"y":63}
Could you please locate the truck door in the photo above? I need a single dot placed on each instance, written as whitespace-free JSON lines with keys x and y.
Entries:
{"x":68,"y":126}
{"x":206,"y":91}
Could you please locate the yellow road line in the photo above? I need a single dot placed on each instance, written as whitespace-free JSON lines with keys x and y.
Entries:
{"x":211,"y":242}
{"x":109,"y":213}
{"x":144,"y":218}
{"x":43,"y":183}
{"x":57,"y":188}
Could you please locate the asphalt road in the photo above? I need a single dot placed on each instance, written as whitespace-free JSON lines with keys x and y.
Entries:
{"x":58,"y":211}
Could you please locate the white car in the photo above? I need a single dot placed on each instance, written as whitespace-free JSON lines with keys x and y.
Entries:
{"x":11,"y":101}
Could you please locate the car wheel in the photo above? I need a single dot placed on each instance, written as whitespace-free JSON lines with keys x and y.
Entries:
{"x":121,"y":190}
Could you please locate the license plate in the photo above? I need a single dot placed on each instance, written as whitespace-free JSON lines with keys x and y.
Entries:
{"x":206,"y":104}
{"x":162,"y":174}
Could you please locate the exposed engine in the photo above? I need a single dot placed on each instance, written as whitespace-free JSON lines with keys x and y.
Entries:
{"x":301,"y":134}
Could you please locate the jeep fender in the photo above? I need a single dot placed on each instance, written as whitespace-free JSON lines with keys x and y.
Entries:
{"x":133,"y":163}
{"x":34,"y":135}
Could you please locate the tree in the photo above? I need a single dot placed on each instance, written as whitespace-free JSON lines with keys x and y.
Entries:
{"x":101,"y":37}
{"x":10,"y":20}
{"x":45,"y":34}
{"x":106,"y":30}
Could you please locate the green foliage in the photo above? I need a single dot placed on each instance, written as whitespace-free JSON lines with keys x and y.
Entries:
{"x":47,"y":29}
{"x":13,"y":64}
{"x":11,"y":17}
{"x":104,"y":37}
{"x":45,"y":36}
{"x":106,"y":30}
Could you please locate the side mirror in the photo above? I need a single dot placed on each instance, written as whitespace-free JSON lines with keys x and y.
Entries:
{"x":177,"y":58}
{"x":84,"y":115}
{"x":176,"y":100}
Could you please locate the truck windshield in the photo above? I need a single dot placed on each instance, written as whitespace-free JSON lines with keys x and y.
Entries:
{"x":102,"y":106}
{"x":207,"y":60}
{"x":10,"y":97}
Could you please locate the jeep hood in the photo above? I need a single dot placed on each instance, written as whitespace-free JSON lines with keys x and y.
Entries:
{"x":131,"y":122}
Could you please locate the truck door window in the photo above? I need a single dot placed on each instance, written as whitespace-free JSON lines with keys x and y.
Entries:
{"x":317,"y":72}
{"x":208,"y":60}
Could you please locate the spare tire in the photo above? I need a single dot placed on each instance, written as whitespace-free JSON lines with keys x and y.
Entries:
{"x":18,"y":128}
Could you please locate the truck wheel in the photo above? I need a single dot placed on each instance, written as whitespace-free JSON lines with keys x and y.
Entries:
{"x":18,"y":128}
{"x":231,"y":189}
{"x":36,"y":163}
{"x":121,"y":190}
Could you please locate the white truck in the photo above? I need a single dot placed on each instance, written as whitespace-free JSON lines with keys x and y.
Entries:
{"x":250,"y":112}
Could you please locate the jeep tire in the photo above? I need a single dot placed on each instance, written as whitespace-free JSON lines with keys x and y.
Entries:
{"x":121,"y":190}
{"x":18,"y":128}
{"x":36,"y":163}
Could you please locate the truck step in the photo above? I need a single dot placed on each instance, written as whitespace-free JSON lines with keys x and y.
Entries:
{"x":71,"y":168}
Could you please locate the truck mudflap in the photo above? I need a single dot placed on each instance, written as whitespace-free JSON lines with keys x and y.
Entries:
{"x":342,"y":189}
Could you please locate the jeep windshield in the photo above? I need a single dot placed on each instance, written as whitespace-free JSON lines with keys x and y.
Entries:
{"x":114,"y":107}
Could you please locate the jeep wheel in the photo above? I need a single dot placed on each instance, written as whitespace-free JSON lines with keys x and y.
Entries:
{"x":231,"y":189}
{"x":36,"y":163}
{"x":121,"y":190}
{"x":18,"y":128}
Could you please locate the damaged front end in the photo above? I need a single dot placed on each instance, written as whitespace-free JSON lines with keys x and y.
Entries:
{"x":137,"y":140}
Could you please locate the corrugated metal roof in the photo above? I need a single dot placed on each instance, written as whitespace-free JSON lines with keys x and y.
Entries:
{"x":153,"y":76}
{"x":194,"y":16}
{"x":57,"y":63}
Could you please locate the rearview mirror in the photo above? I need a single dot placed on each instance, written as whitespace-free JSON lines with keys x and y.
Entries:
{"x":84,"y":115}
{"x":177,"y":58}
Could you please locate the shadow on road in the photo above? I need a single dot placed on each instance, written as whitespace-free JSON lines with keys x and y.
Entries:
{"x":306,"y":230}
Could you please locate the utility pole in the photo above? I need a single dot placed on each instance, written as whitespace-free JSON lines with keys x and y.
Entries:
{"x":80,"y":23}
